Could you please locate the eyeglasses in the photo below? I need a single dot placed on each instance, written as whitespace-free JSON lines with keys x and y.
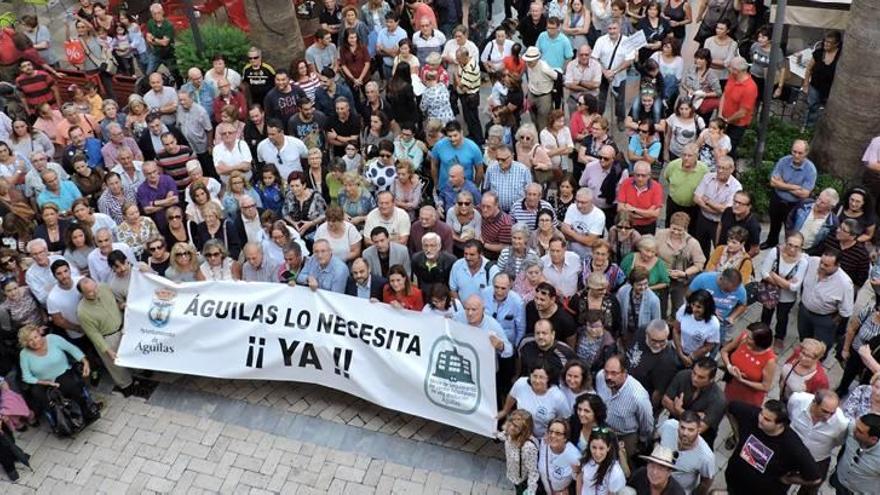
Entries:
{"x":463,"y":203}
{"x":155,"y":248}
{"x":253,"y":57}
{"x":175,"y":217}
{"x":556,"y":433}
{"x":606,"y":158}
{"x":793,"y":246}
{"x":604,"y":430}
{"x":504,"y":158}
{"x":644,"y":131}
{"x":741,"y":203}
{"x":212,"y":255}
{"x":247,"y":207}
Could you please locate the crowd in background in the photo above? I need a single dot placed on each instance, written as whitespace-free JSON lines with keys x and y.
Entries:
{"x":421,"y":158}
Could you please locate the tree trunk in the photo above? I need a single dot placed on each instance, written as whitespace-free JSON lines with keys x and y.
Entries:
{"x":851,"y":117}
{"x":276,"y":30}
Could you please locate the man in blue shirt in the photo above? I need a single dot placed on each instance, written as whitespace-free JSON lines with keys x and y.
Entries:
{"x":729,"y":294}
{"x":555,"y":47}
{"x":323,"y":270}
{"x":508,"y":309}
{"x":387,"y":42}
{"x":60,"y":192}
{"x":456,"y":183}
{"x":79,"y":143}
{"x":455,"y":149}
{"x":792,"y":180}
{"x":471,"y":274}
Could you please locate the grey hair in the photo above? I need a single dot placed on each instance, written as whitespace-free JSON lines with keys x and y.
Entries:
{"x":656,"y":326}
{"x":520,"y":228}
{"x":832,"y":194}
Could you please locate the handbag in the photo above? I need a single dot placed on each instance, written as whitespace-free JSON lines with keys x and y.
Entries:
{"x":75,"y":51}
{"x":66,"y":414}
{"x":106,"y":63}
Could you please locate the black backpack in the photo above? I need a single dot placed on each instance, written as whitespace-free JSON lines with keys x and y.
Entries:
{"x":67,"y":417}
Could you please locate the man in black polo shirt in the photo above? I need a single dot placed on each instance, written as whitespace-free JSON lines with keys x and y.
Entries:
{"x":343,"y":128}
{"x":769,"y":456}
{"x":695,"y":390}
{"x":542,"y":349}
{"x":740,"y":214}
{"x":545,"y":306}
{"x":258,"y":76}
{"x":652,"y":360}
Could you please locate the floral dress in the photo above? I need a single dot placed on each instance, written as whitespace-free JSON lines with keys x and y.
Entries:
{"x":136,"y":238}
{"x":305,"y":211}
{"x":356,"y":207}
{"x":435,"y":104}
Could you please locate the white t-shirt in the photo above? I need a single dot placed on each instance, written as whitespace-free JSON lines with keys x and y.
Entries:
{"x":290,"y":155}
{"x":340,"y":246}
{"x":239,"y":153}
{"x":543,"y":408}
{"x":692,"y":464}
{"x":65,"y":303}
{"x":614,"y":479}
{"x":695,"y":333}
{"x":591,"y":223}
{"x":397,"y":225}
{"x":103,"y":221}
{"x":231,"y":75}
{"x":155,"y":101}
{"x":555,"y":469}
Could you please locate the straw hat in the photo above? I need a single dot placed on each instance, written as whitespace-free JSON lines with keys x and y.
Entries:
{"x":532,"y":54}
{"x":662,"y":456}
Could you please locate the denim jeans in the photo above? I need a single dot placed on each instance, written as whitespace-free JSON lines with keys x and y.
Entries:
{"x":814,"y":102}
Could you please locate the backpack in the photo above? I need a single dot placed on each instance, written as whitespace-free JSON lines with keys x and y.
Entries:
{"x":65,"y":415}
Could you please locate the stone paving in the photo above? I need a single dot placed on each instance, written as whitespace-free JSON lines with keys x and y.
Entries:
{"x":137,"y":447}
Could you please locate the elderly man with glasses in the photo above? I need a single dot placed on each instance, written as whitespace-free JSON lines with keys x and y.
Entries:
{"x":641,"y":197}
{"x":714,"y":194}
{"x":604,"y":176}
{"x":33,"y":181}
{"x":506,"y":177}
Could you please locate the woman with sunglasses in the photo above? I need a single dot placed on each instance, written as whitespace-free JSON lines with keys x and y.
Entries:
{"x":218,"y":265}
{"x":159,"y":258}
{"x":10,"y":265}
{"x":176,"y":229}
{"x":465,"y":221}
{"x":601,"y":471}
{"x":184,"y":264}
{"x":622,"y":237}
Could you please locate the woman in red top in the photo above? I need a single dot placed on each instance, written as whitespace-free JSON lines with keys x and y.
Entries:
{"x":513,"y":63}
{"x":751,"y":362}
{"x":354,"y":60}
{"x":399,"y":291}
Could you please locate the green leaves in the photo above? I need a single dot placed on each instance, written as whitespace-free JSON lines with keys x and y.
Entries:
{"x":218,"y":38}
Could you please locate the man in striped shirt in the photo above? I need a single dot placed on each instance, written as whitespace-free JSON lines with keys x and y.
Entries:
{"x":37,"y":86}
{"x":526,"y":210}
{"x":629,"y":406}
{"x":467,"y":85}
{"x":172,"y":160}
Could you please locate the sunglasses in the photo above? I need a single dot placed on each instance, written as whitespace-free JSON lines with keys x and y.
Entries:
{"x":212,"y":255}
{"x":253,"y":58}
{"x":179,"y":255}
{"x":153,"y":249}
{"x":175,"y":217}
{"x":463,"y":203}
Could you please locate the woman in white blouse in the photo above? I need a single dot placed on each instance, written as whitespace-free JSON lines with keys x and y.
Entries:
{"x":783,"y":267}
{"x":494,"y":52}
{"x":556,"y":139}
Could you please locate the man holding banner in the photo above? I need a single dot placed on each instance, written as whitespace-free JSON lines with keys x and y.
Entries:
{"x":323,"y":270}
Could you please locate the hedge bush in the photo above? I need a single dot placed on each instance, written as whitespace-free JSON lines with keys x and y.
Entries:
{"x":217,"y":38}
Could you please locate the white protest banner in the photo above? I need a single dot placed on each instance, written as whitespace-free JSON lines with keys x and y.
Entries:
{"x":633,"y":42}
{"x":419,"y":364}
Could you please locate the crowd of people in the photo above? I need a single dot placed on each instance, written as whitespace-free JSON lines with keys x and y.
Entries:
{"x":375,"y":168}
